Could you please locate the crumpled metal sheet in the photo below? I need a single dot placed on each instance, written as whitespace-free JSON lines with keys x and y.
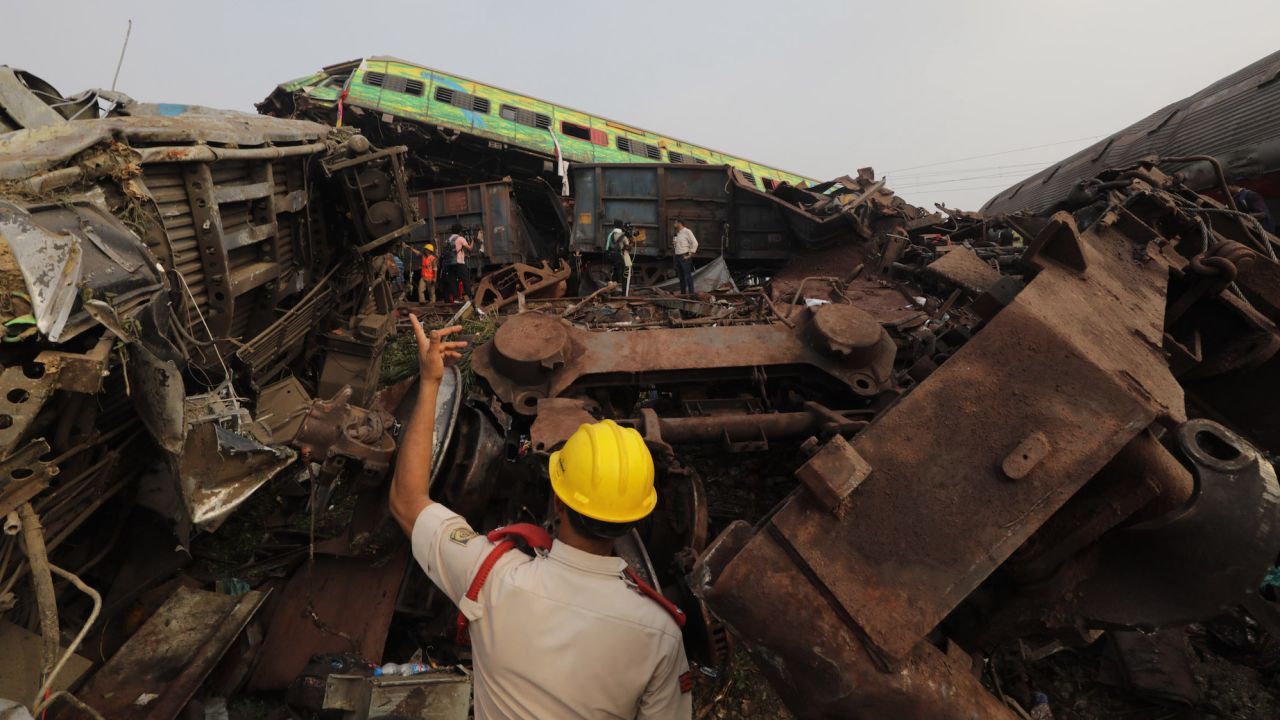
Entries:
{"x":50,"y":266}
{"x":21,"y":104}
{"x":219,"y":469}
{"x":75,"y":250}
{"x":27,"y":152}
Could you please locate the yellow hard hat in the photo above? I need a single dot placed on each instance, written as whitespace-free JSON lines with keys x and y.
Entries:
{"x":431,"y":247}
{"x":605,"y":472}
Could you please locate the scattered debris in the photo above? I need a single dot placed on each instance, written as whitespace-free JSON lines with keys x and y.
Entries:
{"x":912,"y":463}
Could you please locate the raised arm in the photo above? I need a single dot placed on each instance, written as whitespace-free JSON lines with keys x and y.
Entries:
{"x":410,"y":482}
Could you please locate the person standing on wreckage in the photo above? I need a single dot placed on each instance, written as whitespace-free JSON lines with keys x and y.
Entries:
{"x":683,"y":246}
{"x":571,"y":632}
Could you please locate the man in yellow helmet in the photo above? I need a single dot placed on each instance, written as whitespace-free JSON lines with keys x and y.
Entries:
{"x":427,"y":276}
{"x":568,"y":633}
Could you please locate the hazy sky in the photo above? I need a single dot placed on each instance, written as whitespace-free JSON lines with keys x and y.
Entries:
{"x":818,"y":88}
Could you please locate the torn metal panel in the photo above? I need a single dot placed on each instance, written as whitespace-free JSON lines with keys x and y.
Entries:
{"x":332,"y":605}
{"x":219,"y":467}
{"x":159,"y":669}
{"x":23,"y":475}
{"x":50,"y":265}
{"x":20,"y":106}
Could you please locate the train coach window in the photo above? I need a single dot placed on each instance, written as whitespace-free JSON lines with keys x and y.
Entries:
{"x":394,"y":83}
{"x":575,"y":130}
{"x":700,"y":161}
{"x":466,"y":101}
{"x":675,"y":157}
{"x":582,"y":132}
{"x":525,"y":117}
{"x":750,"y":178}
{"x":635,"y":147}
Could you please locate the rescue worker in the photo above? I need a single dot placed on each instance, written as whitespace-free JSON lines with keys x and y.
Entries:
{"x":384,"y":265}
{"x":427,"y":277}
{"x":458,"y":244}
{"x":1248,"y":201}
{"x":683,"y":246}
{"x":562,"y":635}
{"x":613,"y":244}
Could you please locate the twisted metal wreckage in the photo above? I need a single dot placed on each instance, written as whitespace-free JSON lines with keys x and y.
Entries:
{"x":1001,"y":428}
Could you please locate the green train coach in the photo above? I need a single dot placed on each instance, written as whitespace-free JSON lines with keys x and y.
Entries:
{"x":488,"y":119}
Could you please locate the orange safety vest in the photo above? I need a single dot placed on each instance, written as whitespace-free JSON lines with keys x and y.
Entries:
{"x":429,"y":268}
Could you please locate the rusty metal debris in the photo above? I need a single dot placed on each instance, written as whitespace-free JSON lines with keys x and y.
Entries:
{"x":948,"y":433}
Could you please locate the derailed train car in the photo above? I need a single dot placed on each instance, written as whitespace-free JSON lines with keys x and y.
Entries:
{"x":965,"y":432}
{"x":176,"y":283}
{"x":1225,"y":129}
{"x":755,"y":231}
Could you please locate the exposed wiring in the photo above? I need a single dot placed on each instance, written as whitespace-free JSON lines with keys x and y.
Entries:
{"x":80,"y":704}
{"x":226,"y":372}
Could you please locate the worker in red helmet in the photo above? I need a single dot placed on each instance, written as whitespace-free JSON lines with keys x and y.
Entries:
{"x":571,"y":632}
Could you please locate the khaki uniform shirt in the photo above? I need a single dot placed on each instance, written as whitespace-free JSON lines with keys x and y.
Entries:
{"x":558,"y":636}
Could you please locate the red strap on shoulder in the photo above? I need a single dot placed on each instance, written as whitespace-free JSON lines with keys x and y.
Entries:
{"x":534,"y":536}
{"x":676,"y":613}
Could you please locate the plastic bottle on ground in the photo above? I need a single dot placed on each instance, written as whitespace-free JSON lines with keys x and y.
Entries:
{"x":400,"y":669}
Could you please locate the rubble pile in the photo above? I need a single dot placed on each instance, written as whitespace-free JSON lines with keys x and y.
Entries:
{"x":910,"y":461}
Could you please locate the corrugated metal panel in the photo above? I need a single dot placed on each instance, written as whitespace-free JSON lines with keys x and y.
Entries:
{"x":1236,"y":119}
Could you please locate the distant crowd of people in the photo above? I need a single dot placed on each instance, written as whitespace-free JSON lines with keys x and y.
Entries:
{"x":427,"y":275}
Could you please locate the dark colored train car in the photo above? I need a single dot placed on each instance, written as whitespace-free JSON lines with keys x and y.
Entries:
{"x":1236,"y":120}
{"x":521,"y":222}
{"x":727,"y":213}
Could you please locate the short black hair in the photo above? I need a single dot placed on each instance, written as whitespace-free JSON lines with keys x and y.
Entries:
{"x":617,"y":224}
{"x":596,"y":529}
{"x":679,"y":221}
{"x":456,"y":229}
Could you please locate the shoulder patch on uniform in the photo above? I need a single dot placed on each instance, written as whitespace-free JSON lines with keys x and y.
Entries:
{"x":686,"y":682}
{"x":462,"y":535}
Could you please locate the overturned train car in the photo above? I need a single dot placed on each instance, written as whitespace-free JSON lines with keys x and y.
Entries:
{"x":176,"y":283}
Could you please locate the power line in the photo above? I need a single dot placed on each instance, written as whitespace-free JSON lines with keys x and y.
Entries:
{"x":995,"y":154}
{"x":952,"y":189}
{"x":930,"y":183}
{"x":956,"y":171}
